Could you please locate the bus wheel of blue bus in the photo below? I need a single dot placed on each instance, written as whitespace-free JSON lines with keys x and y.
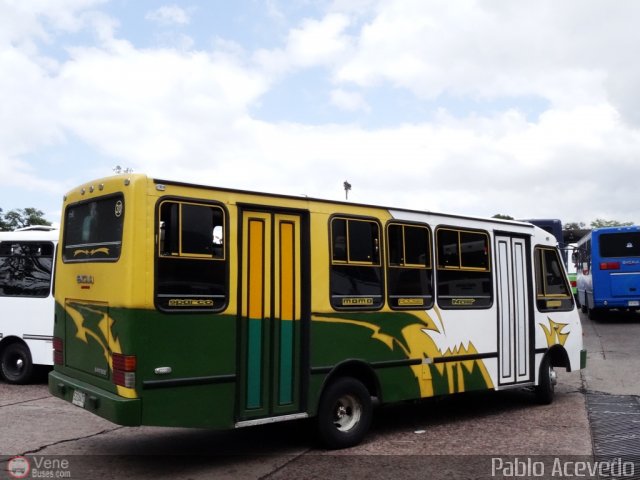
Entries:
{"x":546,"y":387}
{"x":15,"y":363}
{"x":344,"y":413}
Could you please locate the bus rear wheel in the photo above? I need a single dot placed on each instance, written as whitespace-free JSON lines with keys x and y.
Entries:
{"x":15,"y":363}
{"x":344,"y":414}
{"x":593,"y":313}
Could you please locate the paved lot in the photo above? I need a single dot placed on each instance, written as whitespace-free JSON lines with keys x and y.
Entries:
{"x":455,"y":437}
{"x":613,"y":344}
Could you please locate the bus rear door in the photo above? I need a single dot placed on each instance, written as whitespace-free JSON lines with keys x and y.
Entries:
{"x":271,"y":314}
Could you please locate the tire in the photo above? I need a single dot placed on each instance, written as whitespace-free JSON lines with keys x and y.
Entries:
{"x":344,"y":413}
{"x":593,"y":313}
{"x":582,"y":305}
{"x":15,"y":363}
{"x":545,"y":390}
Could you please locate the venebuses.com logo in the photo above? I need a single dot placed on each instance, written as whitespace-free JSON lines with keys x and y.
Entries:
{"x":38,"y":467}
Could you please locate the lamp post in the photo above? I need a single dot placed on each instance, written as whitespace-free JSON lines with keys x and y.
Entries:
{"x":347,"y":187}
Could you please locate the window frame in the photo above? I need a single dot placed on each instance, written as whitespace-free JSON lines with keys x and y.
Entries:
{"x":427,"y":267}
{"x":359,"y":301}
{"x":550,"y":302}
{"x":463,"y":302}
{"x":190,"y":257}
{"x":65,"y":229}
{"x":348,"y":260}
{"x":180,"y":253}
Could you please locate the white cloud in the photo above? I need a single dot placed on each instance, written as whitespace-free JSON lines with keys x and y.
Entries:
{"x":29,"y":117}
{"x":318,"y":42}
{"x":314,"y":43}
{"x":477,"y":166}
{"x":349,"y":101}
{"x":154,"y":106}
{"x":561,"y":52}
{"x":186,"y":114}
{"x":169,"y":15}
{"x":24,"y":22}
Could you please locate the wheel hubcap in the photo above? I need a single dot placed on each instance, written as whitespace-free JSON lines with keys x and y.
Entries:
{"x":347,"y":413}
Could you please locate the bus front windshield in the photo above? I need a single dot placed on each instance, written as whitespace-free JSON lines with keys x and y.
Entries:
{"x":93,"y":230}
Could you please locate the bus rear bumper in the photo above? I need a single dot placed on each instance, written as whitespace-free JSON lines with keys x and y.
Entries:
{"x":116,"y":409}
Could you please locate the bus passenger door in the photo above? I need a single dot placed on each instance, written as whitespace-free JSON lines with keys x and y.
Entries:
{"x":270,"y":315}
{"x":514,"y":309}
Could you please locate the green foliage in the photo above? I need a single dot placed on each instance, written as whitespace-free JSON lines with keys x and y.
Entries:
{"x":503,"y":217}
{"x":20,"y":218}
{"x":600,"y":222}
{"x":574,"y":226}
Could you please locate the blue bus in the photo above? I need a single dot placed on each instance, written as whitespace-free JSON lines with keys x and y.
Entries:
{"x":609,"y":270}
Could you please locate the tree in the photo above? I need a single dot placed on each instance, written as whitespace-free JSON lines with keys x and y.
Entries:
{"x":3,"y":225}
{"x":20,"y":218}
{"x":574,"y":226}
{"x":574,"y":231}
{"x":503,"y":217}
{"x":600,"y":222}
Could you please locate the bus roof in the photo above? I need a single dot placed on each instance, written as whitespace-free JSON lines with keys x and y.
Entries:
{"x":35,"y":234}
{"x":338,"y":202}
{"x":626,"y":228}
{"x":140,"y":177}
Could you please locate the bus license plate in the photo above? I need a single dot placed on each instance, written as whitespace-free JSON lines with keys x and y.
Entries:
{"x":634,"y":303}
{"x":79,"y":398}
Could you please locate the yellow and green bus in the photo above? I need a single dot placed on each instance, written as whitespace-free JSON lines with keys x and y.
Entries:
{"x":187,"y":305}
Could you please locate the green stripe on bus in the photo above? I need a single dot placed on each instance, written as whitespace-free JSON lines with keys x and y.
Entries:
{"x":254,"y":364}
{"x":286,"y":365}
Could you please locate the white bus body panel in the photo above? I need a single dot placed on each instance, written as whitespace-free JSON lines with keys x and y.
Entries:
{"x":504,"y":332}
{"x":30,"y":318}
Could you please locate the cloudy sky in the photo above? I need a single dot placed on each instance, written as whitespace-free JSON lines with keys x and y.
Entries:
{"x":530,"y":109}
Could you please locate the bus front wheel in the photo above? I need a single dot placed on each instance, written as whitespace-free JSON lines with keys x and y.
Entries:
{"x":15,"y":363}
{"x":545,"y":390}
{"x":344,"y":413}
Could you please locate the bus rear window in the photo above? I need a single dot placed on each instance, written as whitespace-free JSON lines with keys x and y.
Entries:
{"x":93,"y":230}
{"x":625,"y":244}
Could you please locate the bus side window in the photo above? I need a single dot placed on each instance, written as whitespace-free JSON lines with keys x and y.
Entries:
{"x":191,"y":272}
{"x":463,"y":272}
{"x":169,"y":233}
{"x":409,"y":269}
{"x":552,"y":290}
{"x":356,"y":271}
{"x":585,"y":256}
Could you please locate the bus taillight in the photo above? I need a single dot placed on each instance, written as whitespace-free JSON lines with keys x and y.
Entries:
{"x":609,"y":265}
{"x":124,"y":370}
{"x":58,"y":351}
